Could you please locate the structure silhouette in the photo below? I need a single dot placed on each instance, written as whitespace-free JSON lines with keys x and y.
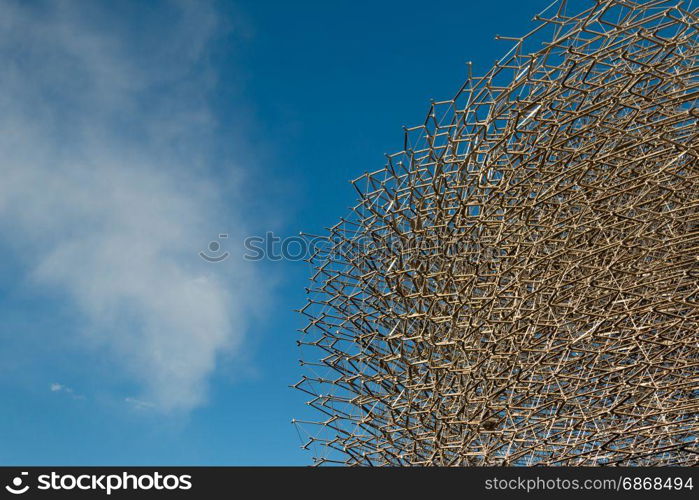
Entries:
{"x":519,"y":285}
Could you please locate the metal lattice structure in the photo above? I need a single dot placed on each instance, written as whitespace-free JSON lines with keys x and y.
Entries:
{"x":519,"y":285}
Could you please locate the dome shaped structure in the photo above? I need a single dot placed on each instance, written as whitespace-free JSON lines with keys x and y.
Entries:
{"x":520,"y":284}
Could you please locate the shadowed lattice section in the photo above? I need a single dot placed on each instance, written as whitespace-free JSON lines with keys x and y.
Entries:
{"x":519,"y":285}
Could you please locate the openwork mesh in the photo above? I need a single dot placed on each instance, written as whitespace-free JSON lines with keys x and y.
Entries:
{"x":519,"y":285}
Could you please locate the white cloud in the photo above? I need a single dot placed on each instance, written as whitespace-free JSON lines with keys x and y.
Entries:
{"x":104,"y":133}
{"x":137,"y":404}
{"x":56,"y":387}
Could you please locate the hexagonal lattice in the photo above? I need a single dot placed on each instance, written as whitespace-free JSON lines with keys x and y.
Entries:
{"x":519,"y":285}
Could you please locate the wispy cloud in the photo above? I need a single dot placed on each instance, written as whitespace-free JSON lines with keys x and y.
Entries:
{"x":106,"y":183}
{"x":137,"y":404}
{"x":56,"y":387}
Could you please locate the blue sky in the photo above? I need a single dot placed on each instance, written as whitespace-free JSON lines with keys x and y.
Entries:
{"x":132,"y":134}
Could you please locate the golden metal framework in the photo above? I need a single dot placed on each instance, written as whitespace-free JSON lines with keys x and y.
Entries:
{"x":519,"y":285}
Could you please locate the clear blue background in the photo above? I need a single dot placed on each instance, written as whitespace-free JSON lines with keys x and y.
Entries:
{"x":323,"y":89}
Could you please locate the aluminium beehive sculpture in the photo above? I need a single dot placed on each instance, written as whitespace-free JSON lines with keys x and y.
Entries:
{"x":519,"y":285}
